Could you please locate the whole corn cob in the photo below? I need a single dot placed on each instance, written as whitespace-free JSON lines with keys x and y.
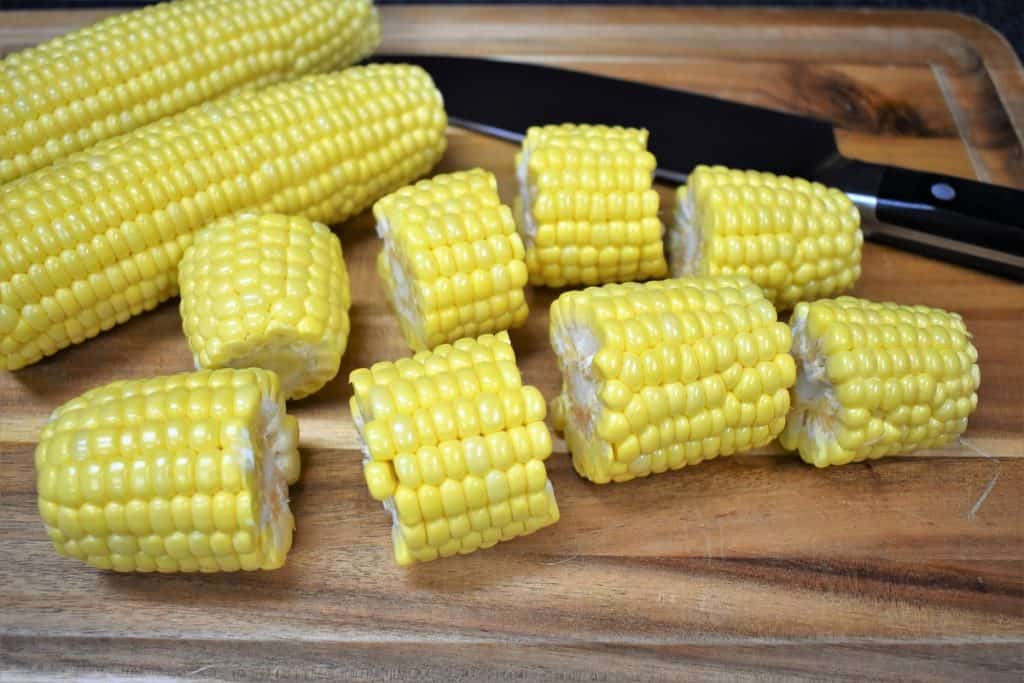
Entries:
{"x":877,"y":379}
{"x":668,"y":373}
{"x":454,"y":446}
{"x":133,"y":68}
{"x":452,"y":261}
{"x":185,"y":472}
{"x":797,"y":240}
{"x":586,"y":208}
{"x":95,"y":238}
{"x":267,"y":291}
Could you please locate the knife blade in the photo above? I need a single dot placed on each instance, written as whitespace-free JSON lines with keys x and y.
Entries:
{"x":962,"y":221}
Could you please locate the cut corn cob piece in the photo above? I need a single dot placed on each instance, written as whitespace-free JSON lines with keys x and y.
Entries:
{"x":454,"y":446}
{"x":668,"y":373}
{"x":137,"y":67}
{"x":797,"y":240}
{"x":267,"y":291}
{"x":586,"y":209}
{"x":877,"y":379}
{"x":93,"y":239}
{"x":185,"y":472}
{"x":452,"y":259}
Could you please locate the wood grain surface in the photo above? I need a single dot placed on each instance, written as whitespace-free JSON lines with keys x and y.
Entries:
{"x":747,"y":567}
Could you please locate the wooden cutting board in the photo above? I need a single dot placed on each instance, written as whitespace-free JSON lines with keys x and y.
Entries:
{"x":910,"y":567}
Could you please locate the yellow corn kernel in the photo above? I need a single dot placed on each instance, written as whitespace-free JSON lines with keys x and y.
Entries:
{"x":461,"y":466}
{"x":267,"y":291}
{"x":452,"y":262}
{"x":195,"y":480}
{"x":96,"y":238}
{"x":877,"y":379}
{"x":134,"y":68}
{"x":559,"y":409}
{"x":797,"y":240}
{"x":668,"y":373}
{"x":586,"y":208}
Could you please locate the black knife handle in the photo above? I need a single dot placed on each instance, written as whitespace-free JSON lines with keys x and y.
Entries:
{"x":962,"y":221}
{"x":987,"y":216}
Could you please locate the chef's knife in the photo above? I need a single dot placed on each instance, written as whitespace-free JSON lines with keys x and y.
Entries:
{"x":957,"y":220}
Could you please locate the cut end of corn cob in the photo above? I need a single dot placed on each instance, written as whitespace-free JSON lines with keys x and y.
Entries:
{"x":452,"y":261}
{"x":878,"y":379}
{"x":668,"y":373}
{"x":454,"y":446}
{"x":795,"y":239}
{"x":586,"y":208}
{"x":267,"y":291}
{"x":134,"y":68}
{"x":185,"y":472}
{"x":96,"y":238}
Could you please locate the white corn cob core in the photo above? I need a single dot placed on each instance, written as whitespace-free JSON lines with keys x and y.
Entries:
{"x":684,"y":243}
{"x":292,"y":361}
{"x":401,"y":293}
{"x":812,"y":388}
{"x":527,"y":221}
{"x":276,"y":518}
